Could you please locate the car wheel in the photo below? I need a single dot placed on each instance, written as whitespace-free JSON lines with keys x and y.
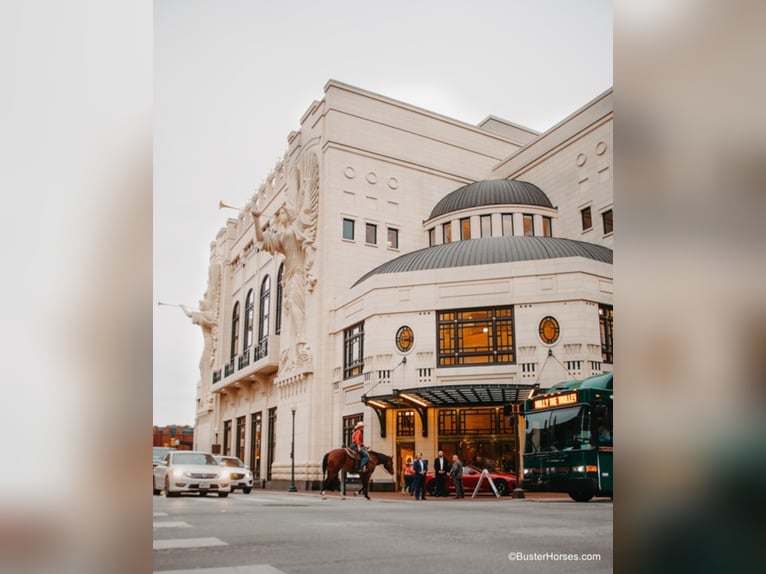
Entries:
{"x":502,"y":488}
{"x":223,"y":494}
{"x":247,"y":490}
{"x":581,"y":495}
{"x":431,"y":488}
{"x":169,"y":494}
{"x":155,"y":490}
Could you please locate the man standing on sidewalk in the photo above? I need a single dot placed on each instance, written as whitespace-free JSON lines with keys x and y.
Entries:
{"x":441,"y":467}
{"x":421,"y":468}
{"x":456,"y":472}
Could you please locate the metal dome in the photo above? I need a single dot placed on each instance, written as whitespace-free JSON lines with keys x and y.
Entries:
{"x":491,"y":250}
{"x":491,"y":192}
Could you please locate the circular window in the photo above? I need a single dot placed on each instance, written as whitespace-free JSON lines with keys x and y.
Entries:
{"x":549,"y":330}
{"x":404,"y":339}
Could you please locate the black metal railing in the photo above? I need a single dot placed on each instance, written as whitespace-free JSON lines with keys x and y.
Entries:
{"x":261,"y":350}
{"x":244,"y":359}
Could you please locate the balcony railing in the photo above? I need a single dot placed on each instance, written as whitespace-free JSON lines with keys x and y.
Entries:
{"x":261,"y":350}
{"x":244,"y":359}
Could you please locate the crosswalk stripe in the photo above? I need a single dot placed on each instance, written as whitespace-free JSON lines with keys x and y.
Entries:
{"x":171,"y":524}
{"x":248,"y":569}
{"x":187,"y":543}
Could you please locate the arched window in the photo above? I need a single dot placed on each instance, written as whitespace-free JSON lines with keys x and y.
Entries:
{"x":278,"y":319}
{"x":249,"y":316}
{"x":263,"y":313}
{"x":235,"y":330}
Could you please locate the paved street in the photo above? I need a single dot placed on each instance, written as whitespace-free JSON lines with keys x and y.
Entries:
{"x":269,"y":532}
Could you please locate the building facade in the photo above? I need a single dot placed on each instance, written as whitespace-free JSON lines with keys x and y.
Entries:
{"x":412,"y":271}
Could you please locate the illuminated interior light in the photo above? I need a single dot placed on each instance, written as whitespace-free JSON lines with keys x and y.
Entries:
{"x":377,"y":404}
{"x":415,"y":400}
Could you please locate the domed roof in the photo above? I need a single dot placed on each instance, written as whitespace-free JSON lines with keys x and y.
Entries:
{"x":491,"y":192}
{"x":490,"y":250}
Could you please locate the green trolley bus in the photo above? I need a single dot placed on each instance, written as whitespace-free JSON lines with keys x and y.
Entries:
{"x":568,"y":439}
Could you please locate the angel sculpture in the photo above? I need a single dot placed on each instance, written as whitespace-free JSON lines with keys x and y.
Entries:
{"x":292,"y":233}
{"x":207,"y":318}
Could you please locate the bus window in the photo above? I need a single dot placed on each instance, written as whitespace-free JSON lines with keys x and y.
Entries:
{"x":537,"y":426}
{"x":566,"y":428}
{"x":558,"y":429}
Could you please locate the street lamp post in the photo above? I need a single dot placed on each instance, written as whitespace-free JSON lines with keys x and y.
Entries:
{"x":292,"y":457}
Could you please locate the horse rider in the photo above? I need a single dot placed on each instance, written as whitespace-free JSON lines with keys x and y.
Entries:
{"x":357,"y":443}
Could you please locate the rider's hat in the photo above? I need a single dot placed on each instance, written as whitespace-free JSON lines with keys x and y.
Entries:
{"x":359,"y":424}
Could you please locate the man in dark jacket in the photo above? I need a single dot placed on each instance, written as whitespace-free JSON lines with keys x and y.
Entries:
{"x":441,"y":468}
{"x":421,"y":469}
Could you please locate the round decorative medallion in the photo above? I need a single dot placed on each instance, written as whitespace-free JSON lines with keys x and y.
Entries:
{"x":581,"y":159}
{"x":393,"y":183}
{"x":405,"y":338}
{"x":350,"y":172}
{"x":600,"y":148}
{"x":371,"y":177}
{"x":549,"y":330}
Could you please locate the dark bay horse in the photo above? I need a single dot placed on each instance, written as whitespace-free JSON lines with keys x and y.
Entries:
{"x":339,"y":459}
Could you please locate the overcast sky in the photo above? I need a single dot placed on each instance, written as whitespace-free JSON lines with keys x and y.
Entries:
{"x":233,"y":77}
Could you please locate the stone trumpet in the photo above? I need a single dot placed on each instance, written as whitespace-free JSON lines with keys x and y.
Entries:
{"x":221,"y":205}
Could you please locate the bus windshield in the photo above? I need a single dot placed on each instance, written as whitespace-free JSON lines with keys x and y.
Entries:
{"x":558,"y":429}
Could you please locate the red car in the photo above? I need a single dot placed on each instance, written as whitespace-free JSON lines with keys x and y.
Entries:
{"x":505,"y":482}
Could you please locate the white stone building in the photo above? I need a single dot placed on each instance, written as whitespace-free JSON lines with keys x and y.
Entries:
{"x":423,"y":274}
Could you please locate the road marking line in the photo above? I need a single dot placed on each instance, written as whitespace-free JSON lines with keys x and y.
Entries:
{"x":160,"y":514}
{"x":249,"y":569}
{"x":171,"y":525}
{"x":187,"y":543}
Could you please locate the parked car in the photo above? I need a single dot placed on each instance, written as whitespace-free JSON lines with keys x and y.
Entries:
{"x":505,"y":482}
{"x":241,"y":476}
{"x":190,"y":471}
{"x":158,"y":452}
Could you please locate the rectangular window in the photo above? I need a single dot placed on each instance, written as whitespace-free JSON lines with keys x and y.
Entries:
{"x":606,"y":326}
{"x":547,"y":227}
{"x":239,"y":439}
{"x":393,"y":238}
{"x":608,"y":221}
{"x":529,"y":225}
{"x":486,"y":226}
{"x":587,"y":220}
{"x":432,"y":237}
{"x":507,"y":224}
{"x":255,"y":443}
{"x":353,"y":351}
{"x":371,"y":233}
{"x":348,"y":229}
{"x":475,"y":336}
{"x":447,"y":232}
{"x":448,"y":422}
{"x":405,"y":423}
{"x":465,"y":228}
{"x":272,"y":441}
{"x":478,"y":421}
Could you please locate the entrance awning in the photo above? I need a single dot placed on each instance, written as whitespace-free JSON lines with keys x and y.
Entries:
{"x":445,"y":396}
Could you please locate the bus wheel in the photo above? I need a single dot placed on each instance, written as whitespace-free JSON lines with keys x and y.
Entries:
{"x":581,"y":495}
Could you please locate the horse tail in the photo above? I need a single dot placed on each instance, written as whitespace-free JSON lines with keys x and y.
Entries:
{"x":324,"y":464}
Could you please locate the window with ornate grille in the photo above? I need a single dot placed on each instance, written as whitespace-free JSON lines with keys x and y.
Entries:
{"x":475,"y":336}
{"x":405,"y":423}
{"x":353,"y":351}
